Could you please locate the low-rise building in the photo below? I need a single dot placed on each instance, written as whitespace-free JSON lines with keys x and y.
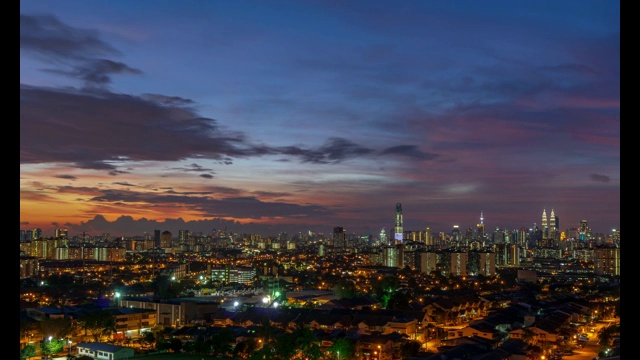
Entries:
{"x":104,"y":351}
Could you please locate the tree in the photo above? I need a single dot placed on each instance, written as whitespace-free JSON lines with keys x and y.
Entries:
{"x":98,"y":323}
{"x":191,"y":347}
{"x":606,"y":335}
{"x":205,"y":346}
{"x":148,"y":337}
{"x":344,"y":347}
{"x":385,"y":288}
{"x":221,"y":342}
{"x":284,"y":346}
{"x":167,"y":288}
{"x":410,"y":348}
{"x":245,"y":347}
{"x":398,"y":301}
{"x":345,"y":289}
{"x":528,"y":336}
{"x":27,"y":352}
{"x":175,"y":344}
{"x":306,"y":342}
{"x":264,"y":353}
{"x":27,"y":329}
{"x":52,"y":346}
{"x":162,"y":344}
{"x":267,"y":330}
{"x":56,"y":328}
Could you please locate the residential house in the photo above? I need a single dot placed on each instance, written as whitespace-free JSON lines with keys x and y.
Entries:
{"x":103,"y":351}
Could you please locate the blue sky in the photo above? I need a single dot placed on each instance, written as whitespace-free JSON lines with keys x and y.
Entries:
{"x":295,"y":116}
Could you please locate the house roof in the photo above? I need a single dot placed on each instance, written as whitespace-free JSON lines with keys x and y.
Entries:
{"x":98,"y":346}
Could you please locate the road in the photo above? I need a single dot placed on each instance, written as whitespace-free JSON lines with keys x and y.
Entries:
{"x":591,"y":348}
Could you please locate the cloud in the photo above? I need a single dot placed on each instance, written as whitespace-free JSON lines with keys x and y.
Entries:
{"x":96,"y":73}
{"x":123,"y":183}
{"x":600,"y":178}
{"x":100,"y":130}
{"x":68,"y":177}
{"x":334,"y":150}
{"x":48,"y":36}
{"x":76,"y":53}
{"x":209,"y":206}
{"x":411,"y":151}
{"x":168,"y":100}
{"x":193,"y":167}
{"x":126,"y":225}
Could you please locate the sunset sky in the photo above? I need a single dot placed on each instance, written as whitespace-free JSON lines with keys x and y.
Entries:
{"x":296,"y":116}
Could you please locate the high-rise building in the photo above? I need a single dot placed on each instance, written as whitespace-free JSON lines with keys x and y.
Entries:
{"x":585,"y":232}
{"x":481,"y":262}
{"x":545,"y":225}
{"x":428,"y":237}
{"x":521,"y":238}
{"x":156,"y":238}
{"x":554,"y":233}
{"x":383,"y":237}
{"x":391,"y":256}
{"x":427,"y":261}
{"x":165,"y":239}
{"x":455,"y":262}
{"x":36,"y":234}
{"x":62,"y":233}
{"x":455,"y":235}
{"x":480,"y":228}
{"x":606,"y":259}
{"x":339,"y":237}
{"x":398,"y":231}
{"x":183,"y":236}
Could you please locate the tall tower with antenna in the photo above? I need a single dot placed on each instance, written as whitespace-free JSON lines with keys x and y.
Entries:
{"x":480,"y":227}
{"x":398,"y":231}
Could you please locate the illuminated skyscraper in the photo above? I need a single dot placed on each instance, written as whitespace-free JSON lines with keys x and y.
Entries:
{"x":554,"y":233}
{"x":480,"y":228}
{"x":397,"y":236}
{"x":545,"y":225}
{"x":584,"y":230}
{"x":455,"y":235}
{"x":383,"y":236}
{"x":391,"y":256}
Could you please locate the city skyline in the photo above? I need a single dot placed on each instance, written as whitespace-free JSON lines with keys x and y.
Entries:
{"x":268,"y":117}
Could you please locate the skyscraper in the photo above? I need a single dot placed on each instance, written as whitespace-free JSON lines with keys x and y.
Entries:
{"x":545,"y":225}
{"x":553,"y":229}
{"x":156,"y":238}
{"x":584,"y":231}
{"x":339,"y":237}
{"x":398,"y":228}
{"x":480,"y":228}
{"x":383,"y":236}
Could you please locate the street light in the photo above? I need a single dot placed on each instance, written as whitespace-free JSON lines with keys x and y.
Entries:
{"x":70,"y":346}
{"x":379,"y":352}
{"x":48,"y":348}
{"x":338,"y":354}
